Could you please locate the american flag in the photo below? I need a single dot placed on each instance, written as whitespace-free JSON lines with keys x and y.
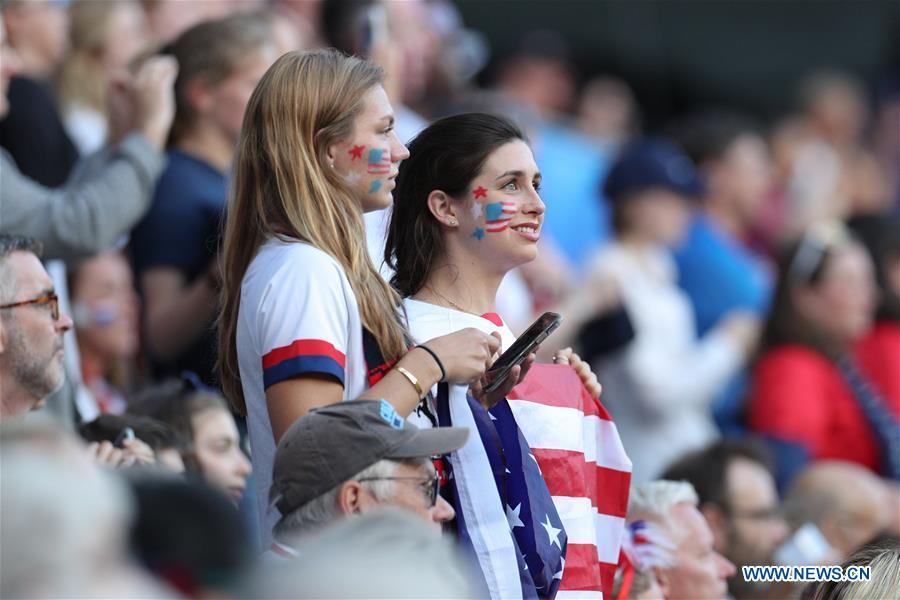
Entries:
{"x":498,"y":215}
{"x":379,"y":162}
{"x":539,"y":536}
{"x":577,"y":446}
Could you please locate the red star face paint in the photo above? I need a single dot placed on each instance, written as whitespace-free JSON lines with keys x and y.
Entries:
{"x":479,"y":192}
{"x":356,"y":152}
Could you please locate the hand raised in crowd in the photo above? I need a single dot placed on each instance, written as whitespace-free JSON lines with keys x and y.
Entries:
{"x":144,"y":101}
{"x":133,"y":452}
{"x":567,"y":357}
{"x":465,"y":354}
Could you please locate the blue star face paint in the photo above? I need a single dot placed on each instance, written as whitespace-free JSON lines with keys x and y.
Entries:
{"x":478,"y":234}
{"x":376,"y":185}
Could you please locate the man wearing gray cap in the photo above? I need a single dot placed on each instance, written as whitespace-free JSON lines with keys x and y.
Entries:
{"x":350,"y":458}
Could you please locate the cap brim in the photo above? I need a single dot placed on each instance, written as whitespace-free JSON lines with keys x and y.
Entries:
{"x":431,"y":442}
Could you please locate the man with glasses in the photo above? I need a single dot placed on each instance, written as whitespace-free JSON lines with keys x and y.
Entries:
{"x":740,"y":502}
{"x":31,"y":328}
{"x":351,"y":458}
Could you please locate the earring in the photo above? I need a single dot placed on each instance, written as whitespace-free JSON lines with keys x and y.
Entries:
{"x":453,"y":221}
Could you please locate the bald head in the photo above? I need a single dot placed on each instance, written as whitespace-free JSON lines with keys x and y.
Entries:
{"x":847,"y":502}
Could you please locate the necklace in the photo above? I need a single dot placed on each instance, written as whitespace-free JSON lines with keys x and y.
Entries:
{"x":450,"y":302}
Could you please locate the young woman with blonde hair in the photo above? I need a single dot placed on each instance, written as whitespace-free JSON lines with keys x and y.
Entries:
{"x":306,"y":319}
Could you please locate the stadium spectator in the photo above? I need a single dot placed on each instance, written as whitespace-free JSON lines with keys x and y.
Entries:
{"x":808,"y":392}
{"x":470,"y":194}
{"x":175,"y":246}
{"x":879,"y":351}
{"x":697,"y":570}
{"x":306,"y":319}
{"x":351,"y":458}
{"x":660,"y":385}
{"x":31,"y":131}
{"x":105,"y":37}
{"x":738,"y":499}
{"x":146,"y":433}
{"x":200,"y":417}
{"x":63,"y":527}
{"x":105,"y":310}
{"x":188,"y":535}
{"x":847,"y":503}
{"x":87,"y":216}
{"x":375,"y":547}
{"x":716,"y":267}
{"x":608,"y":112}
{"x":31,"y":328}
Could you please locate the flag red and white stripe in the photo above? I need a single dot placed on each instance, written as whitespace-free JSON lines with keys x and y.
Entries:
{"x":498,"y":216}
{"x":578,"y":449}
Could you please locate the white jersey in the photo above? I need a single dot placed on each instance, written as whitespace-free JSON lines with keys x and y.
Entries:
{"x":298,"y":315}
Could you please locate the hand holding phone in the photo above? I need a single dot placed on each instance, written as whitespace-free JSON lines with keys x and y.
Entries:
{"x":527,"y":343}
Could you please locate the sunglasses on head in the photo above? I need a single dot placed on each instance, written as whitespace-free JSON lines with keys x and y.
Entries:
{"x":817,"y":241}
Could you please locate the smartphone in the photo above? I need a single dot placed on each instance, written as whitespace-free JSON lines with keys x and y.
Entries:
{"x":519,"y":351}
{"x":126,"y":434}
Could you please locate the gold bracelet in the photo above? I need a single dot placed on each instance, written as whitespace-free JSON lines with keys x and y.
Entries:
{"x":412,"y":379}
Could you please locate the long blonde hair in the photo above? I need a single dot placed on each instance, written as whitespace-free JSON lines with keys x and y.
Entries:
{"x":282,"y":187}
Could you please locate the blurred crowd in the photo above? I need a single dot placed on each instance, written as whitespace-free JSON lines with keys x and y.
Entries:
{"x":733,"y":282}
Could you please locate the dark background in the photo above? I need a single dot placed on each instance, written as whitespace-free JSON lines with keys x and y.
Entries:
{"x":679,"y":54}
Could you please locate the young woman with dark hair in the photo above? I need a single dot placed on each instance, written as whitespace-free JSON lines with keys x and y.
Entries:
{"x":467,"y":211}
{"x":808,"y":389}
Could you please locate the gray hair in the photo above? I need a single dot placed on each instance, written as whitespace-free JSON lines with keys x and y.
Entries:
{"x":653,"y":501}
{"x":323,"y":510}
{"x":8,"y":245}
{"x":63,"y":546}
{"x":389,"y":554}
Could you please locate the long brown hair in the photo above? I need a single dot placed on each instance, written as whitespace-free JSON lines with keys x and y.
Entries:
{"x":282,"y":186}
{"x":446,"y":156}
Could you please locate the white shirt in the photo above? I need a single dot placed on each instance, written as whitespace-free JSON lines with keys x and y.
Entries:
{"x":298,"y":315}
{"x":659,"y":388}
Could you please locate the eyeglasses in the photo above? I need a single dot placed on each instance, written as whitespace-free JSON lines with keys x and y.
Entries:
{"x":818,"y":239}
{"x":430,"y":485}
{"x":50,"y":299}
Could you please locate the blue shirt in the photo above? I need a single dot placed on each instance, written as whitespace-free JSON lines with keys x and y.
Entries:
{"x":720,"y":274}
{"x":573,"y":167}
{"x":182,"y":231}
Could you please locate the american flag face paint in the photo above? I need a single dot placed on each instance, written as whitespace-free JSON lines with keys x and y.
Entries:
{"x":379,"y":162}
{"x":497,"y":216}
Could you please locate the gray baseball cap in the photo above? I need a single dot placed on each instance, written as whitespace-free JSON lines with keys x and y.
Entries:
{"x":331,"y":444}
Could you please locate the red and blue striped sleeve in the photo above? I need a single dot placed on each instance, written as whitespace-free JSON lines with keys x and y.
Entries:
{"x":302,"y":357}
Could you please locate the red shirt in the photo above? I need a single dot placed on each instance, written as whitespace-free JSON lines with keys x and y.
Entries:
{"x":799,"y":396}
{"x":879,"y":359}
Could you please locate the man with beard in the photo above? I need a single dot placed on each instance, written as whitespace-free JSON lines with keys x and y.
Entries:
{"x":739,"y":500}
{"x":31,"y":328}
